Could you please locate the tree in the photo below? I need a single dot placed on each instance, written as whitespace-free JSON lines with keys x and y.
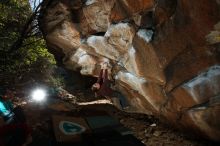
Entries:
{"x":23,"y":52}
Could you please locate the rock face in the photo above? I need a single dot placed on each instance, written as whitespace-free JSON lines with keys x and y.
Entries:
{"x":164,"y":55}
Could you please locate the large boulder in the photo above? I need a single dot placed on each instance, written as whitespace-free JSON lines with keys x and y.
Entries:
{"x":163,"y":55}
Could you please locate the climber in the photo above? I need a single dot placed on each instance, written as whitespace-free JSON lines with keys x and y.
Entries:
{"x":103,"y":88}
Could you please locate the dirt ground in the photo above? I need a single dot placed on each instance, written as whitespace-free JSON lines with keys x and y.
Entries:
{"x":148,"y":129}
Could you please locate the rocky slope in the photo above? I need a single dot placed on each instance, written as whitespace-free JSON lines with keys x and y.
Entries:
{"x":164,"y":55}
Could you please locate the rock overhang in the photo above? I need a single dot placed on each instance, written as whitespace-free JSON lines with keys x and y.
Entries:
{"x":161,"y":55}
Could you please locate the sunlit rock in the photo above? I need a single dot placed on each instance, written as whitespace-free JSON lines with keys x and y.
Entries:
{"x":120,"y":36}
{"x":132,"y":80}
{"x":100,"y":46}
{"x":146,"y":59}
{"x":82,"y":61}
{"x":163,"y":55}
{"x":137,"y":102}
{"x":145,"y":34}
{"x":66,"y":36}
{"x":150,"y":91}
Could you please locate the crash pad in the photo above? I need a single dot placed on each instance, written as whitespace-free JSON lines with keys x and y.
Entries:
{"x":97,"y":122}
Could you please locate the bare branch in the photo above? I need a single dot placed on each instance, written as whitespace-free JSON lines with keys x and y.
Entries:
{"x":35,"y":1}
{"x":25,"y":31}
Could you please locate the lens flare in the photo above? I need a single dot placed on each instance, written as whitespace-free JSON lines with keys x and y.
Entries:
{"x":39,"y":95}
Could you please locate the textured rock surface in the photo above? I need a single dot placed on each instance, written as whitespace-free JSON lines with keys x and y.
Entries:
{"x":163,"y":55}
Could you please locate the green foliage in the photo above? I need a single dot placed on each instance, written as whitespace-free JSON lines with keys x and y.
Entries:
{"x":34,"y":55}
{"x":13,"y":15}
{"x":35,"y":51}
{"x":32,"y":60}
